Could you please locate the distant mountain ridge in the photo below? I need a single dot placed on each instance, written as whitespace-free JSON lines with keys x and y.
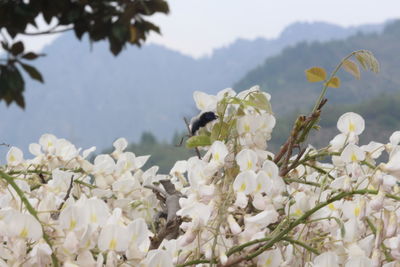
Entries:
{"x":92,"y":98}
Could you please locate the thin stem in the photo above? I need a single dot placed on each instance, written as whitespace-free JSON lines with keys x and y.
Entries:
{"x":297,"y":242}
{"x":194,"y":262}
{"x":324,"y":89}
{"x":300,"y":181}
{"x":49,"y":31}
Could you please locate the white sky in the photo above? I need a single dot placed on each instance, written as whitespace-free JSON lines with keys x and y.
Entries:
{"x":196,"y":27}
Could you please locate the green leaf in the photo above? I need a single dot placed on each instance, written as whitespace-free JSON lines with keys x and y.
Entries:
{"x":11,"y":85}
{"x":17,"y":48}
{"x":33,"y":72}
{"x":121,"y":32}
{"x":351,"y":67}
{"x":315,"y":74}
{"x":261,"y":101}
{"x":198,"y":140}
{"x":235,"y":100}
{"x":219,"y":131}
{"x":30,"y":56}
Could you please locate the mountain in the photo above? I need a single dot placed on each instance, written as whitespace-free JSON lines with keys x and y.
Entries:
{"x":92,"y":98}
{"x":283,"y":75}
{"x":381,"y":115}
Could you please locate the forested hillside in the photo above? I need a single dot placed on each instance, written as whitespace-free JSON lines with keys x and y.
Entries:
{"x":283,"y":75}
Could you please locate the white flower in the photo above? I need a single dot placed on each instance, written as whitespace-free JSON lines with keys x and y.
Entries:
{"x":179,"y":167}
{"x":395,"y":138}
{"x":351,"y":123}
{"x":263,"y":219}
{"x":61,"y":181}
{"x":270,"y":258}
{"x":139,"y":235}
{"x":119,"y":146}
{"x":245,"y":182}
{"x":48,"y":141}
{"x":373,"y":149}
{"x":233,"y":225}
{"x":158,"y":258}
{"x":352,"y":153}
{"x":23,"y":225}
{"x":360,"y":261}
{"x":15,"y":156}
{"x":205,"y":102}
{"x":338,"y":142}
{"x":229,"y":92}
{"x":104,"y":164}
{"x":247,"y":160}
{"x":393,"y":165}
{"x":219,"y":151}
{"x":326,"y":259}
{"x":113,"y":237}
{"x":300,"y":206}
{"x":88,"y":151}
{"x":247,"y":124}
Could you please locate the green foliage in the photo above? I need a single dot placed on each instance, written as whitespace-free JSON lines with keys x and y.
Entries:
{"x":118,"y":21}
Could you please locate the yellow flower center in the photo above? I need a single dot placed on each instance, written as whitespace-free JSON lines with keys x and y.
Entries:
{"x":258,"y":187}
{"x":113,"y":244}
{"x":72,"y":224}
{"x":242,"y":187}
{"x":93,"y":218}
{"x":249,"y":165}
{"x":353,"y":157}
{"x":298,"y":212}
{"x":268,"y":262}
{"x":24,"y":233}
{"x":357,"y":211}
{"x":216,"y":156}
{"x":352,"y":127}
{"x":331,"y":207}
{"x":247,"y":128}
{"x":12,"y":158}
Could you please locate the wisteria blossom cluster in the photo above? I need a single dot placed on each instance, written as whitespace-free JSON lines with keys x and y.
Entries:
{"x":230,"y":205}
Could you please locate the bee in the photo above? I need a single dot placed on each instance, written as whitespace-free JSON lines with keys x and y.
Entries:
{"x":201,"y":120}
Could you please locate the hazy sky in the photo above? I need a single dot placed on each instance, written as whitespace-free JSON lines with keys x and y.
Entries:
{"x":196,"y":27}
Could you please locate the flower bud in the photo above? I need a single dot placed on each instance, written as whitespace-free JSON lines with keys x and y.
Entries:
{"x":233,"y":225}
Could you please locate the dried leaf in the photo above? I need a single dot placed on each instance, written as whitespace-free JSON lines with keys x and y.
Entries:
{"x":351,"y":67}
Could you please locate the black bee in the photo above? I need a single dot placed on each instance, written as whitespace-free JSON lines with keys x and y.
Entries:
{"x":201,"y":121}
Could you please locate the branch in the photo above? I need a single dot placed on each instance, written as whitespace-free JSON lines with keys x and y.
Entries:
{"x":297,"y":242}
{"x":49,"y":31}
{"x":170,"y":197}
{"x":68,"y":193}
